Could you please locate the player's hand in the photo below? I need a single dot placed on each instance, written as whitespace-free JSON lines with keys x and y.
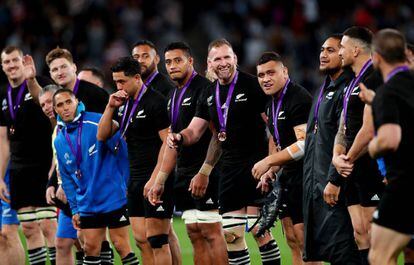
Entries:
{"x":366,"y":95}
{"x":29,"y":69}
{"x":331,"y":194}
{"x":147,"y":187}
{"x":260,"y":168}
{"x":265,"y":182}
{"x":117,"y":99}
{"x":4,"y":192}
{"x":198,"y":185}
{"x":342,"y":165}
{"x":76,"y":221}
{"x":154,"y":195}
{"x":174,"y":140}
{"x":60,"y":194}
{"x":50,"y":195}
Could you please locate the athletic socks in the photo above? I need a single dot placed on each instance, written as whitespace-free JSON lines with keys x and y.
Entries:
{"x":91,"y":260}
{"x":240,"y":257}
{"x":270,"y":253}
{"x":130,"y":259}
{"x":37,"y":256}
{"x":79,"y":258}
{"x":52,"y":255}
{"x":107,"y":255}
{"x":364,"y":256}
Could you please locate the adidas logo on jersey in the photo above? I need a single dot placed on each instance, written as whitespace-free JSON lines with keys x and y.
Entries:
{"x":160,"y":209}
{"x":123,"y":218}
{"x":210,"y":100}
{"x":92,"y":150}
{"x":281,"y":116}
{"x":186,"y":102}
{"x":375,"y":198}
{"x":355,"y":91}
{"x":4,"y":105}
{"x":240,"y":98}
{"x":209,"y":201}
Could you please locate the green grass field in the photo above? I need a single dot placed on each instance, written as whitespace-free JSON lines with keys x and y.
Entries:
{"x":187,"y":252}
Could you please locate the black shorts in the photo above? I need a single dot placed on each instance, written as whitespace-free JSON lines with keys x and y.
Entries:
{"x":28,"y":187}
{"x":364,"y":186}
{"x":138,"y":206}
{"x":292,"y":203}
{"x":184,"y":201}
{"x":237,"y":187}
{"x":393,"y":210}
{"x":114,"y":219}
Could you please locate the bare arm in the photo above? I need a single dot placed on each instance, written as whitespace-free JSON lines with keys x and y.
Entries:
{"x":4,"y":160}
{"x":365,"y":134}
{"x":293,"y":152}
{"x":189,"y":135}
{"x":340,"y":143}
{"x":387,"y":140}
{"x":30,"y":76}
{"x":107,"y":127}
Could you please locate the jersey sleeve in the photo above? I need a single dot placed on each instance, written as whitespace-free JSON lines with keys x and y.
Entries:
{"x":385,"y":107}
{"x":300,"y":110}
{"x":203,"y":100}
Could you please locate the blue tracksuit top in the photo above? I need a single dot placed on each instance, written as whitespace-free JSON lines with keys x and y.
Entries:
{"x":102,"y":186}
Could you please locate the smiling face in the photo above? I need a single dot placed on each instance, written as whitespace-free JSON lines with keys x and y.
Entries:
{"x":147,"y":58}
{"x":63,"y":72}
{"x":347,"y":51}
{"x":223,"y":62}
{"x":12,"y":65}
{"x":272,"y":77}
{"x":329,"y":59}
{"x":65,"y":106}
{"x":178,"y":64}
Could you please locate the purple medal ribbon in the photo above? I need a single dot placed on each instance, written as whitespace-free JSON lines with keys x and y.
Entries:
{"x":351,"y":86}
{"x":275,"y":113}
{"x":175,"y":107}
{"x":78,"y":152}
{"x":396,"y":71}
{"x":318,"y":104}
{"x":150,"y":78}
{"x":125,"y":125}
{"x":76,"y":87}
{"x":223,"y":116}
{"x":13,"y":107}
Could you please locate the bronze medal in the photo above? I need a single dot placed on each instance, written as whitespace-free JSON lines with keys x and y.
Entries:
{"x":222,"y":136}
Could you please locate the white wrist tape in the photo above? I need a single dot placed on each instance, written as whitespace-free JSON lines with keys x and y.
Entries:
{"x":297,"y":150}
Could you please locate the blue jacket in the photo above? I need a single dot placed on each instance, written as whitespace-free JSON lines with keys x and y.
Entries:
{"x":102,"y":186}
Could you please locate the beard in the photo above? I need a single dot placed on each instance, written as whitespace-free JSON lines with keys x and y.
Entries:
{"x":330,"y":71}
{"x":148,"y":70}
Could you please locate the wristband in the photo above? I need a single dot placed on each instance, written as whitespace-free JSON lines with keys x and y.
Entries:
{"x":205,"y":169}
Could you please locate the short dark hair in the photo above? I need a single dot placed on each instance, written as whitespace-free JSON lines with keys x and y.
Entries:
{"x":61,"y":91}
{"x":360,"y":33}
{"x":179,"y":45}
{"x":218,"y":43}
{"x":58,"y":53}
{"x":391,"y":45}
{"x":10,"y":49}
{"x":269,"y":56}
{"x":336,"y":36}
{"x":128,"y":65}
{"x":95,"y":72}
{"x":146,"y":42}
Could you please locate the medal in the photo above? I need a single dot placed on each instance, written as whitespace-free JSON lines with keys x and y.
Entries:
{"x":223,"y":114}
{"x":275,"y":114}
{"x":222,"y":136}
{"x":13,"y":107}
{"x":78,"y":152}
{"x":175,"y":106}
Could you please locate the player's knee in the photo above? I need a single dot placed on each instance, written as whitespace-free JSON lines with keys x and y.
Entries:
{"x":91,"y":248}
{"x":194,"y":233}
{"x":157,"y":241}
{"x":235,"y":238}
{"x":291,"y":240}
{"x":63,"y":245}
{"x":30,"y":229}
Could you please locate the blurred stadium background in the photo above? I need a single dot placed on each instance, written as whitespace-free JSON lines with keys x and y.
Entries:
{"x":99,"y":31}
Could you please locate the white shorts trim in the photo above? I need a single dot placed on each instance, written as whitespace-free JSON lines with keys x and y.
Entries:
{"x":203,"y":217}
